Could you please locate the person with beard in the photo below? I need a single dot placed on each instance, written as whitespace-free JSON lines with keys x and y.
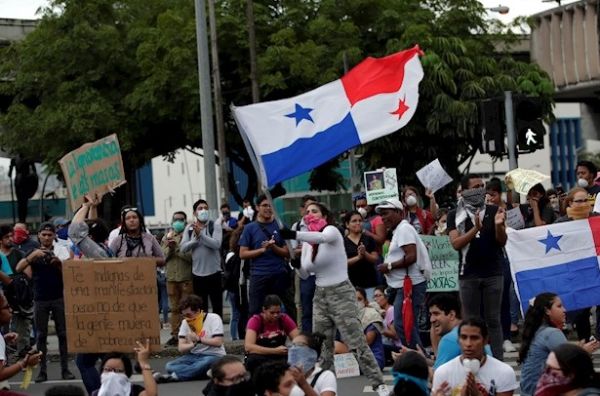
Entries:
{"x":569,"y":372}
{"x":229,"y":378}
{"x":478,"y":232}
{"x":334,"y":304}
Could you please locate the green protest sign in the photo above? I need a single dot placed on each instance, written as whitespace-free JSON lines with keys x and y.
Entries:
{"x":444,"y":262}
{"x":95,"y":167}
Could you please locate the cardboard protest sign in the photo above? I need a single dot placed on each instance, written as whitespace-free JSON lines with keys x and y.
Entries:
{"x":514,"y":219}
{"x":111,"y":304}
{"x":444,"y":262}
{"x":521,"y":180}
{"x":433,"y":176}
{"x":93,"y":168}
{"x":346,"y":365}
{"x":381,"y":185}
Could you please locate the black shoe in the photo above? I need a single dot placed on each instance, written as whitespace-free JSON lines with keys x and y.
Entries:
{"x":42,"y":377}
{"x":67,"y":375}
{"x":173,"y":341}
{"x":162,"y":378}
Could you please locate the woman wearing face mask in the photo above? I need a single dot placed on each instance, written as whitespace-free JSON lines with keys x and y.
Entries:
{"x":302,"y":358}
{"x":334,"y":303}
{"x":421,"y":219}
{"x":116,"y":370}
{"x":134,"y":240}
{"x":542,"y":333}
{"x":361,"y":253}
{"x":441,"y":219}
{"x":569,"y":372}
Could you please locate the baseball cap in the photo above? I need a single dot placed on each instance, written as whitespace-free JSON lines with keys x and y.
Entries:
{"x":392,"y":203}
{"x":60,"y":221}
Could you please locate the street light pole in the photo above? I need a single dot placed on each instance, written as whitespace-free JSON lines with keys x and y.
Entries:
{"x":206,"y":113}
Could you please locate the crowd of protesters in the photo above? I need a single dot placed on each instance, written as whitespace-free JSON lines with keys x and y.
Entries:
{"x":362,"y":281}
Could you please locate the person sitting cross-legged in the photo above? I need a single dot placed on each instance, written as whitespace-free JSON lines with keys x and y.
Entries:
{"x":200,"y":342}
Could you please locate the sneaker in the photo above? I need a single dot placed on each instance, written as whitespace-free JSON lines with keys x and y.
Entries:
{"x":42,"y":377}
{"x":162,"y":378}
{"x":508,"y":346}
{"x":383,"y":390}
{"x":67,"y":375}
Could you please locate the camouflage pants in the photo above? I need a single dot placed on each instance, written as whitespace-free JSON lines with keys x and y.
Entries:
{"x":335,"y":307}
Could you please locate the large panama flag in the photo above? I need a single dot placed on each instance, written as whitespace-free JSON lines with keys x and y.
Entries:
{"x":291,"y":136}
{"x":562,"y":258}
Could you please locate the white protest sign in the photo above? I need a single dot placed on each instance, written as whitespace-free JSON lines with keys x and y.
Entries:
{"x":514,"y":219}
{"x":433,"y":176}
{"x":521,"y":180}
{"x":346,"y":365}
{"x":381,"y":185}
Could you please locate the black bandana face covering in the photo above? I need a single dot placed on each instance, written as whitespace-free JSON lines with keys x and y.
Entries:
{"x":474,"y":198}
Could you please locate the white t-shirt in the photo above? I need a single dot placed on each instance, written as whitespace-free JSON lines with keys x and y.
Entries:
{"x":404,"y":234}
{"x":211,"y":327}
{"x":493,"y":370}
{"x":3,"y":384}
{"x":325,"y":382}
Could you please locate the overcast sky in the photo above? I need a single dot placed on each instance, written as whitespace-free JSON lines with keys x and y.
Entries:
{"x":26,"y":9}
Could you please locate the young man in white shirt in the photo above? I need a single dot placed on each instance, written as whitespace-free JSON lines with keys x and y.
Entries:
{"x":473,"y":372}
{"x":200,"y":342}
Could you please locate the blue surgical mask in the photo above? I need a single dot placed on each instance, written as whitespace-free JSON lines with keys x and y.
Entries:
{"x":202,"y":215}
{"x":62,"y":233}
{"x":303,"y":357}
{"x":178,"y":226}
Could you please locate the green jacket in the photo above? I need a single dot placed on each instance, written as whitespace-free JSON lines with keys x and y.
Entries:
{"x":178,"y":264}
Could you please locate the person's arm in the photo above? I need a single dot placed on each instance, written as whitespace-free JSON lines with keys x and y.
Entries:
{"x":460,"y":241}
{"x":251,"y":346}
{"x":143,"y":358}
{"x":433,"y":206}
{"x":499,"y":222}
{"x":281,"y":251}
{"x":379,"y":235}
{"x":29,"y":360}
{"x":157,"y":252}
{"x":186,"y":343}
{"x":329,"y":235}
{"x":353,"y":260}
{"x":189,"y":241}
{"x":372,"y":257}
{"x":371,"y":336}
{"x":247,"y":254}
{"x":24,"y":263}
{"x":537,"y":215}
{"x":214,"y":241}
{"x":410,"y":257}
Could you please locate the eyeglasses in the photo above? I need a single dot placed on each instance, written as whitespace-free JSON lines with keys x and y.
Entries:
{"x":113,"y":370}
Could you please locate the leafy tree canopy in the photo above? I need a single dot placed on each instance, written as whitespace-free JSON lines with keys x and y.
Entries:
{"x":96,"y":67}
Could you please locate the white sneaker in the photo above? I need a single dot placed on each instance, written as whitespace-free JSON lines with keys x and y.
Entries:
{"x":383,"y":390}
{"x":508,"y":346}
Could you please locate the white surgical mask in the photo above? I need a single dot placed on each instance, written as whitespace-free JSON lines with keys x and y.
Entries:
{"x":411,"y":200}
{"x":363,"y":212}
{"x":582,"y":183}
{"x":248,"y":212}
{"x":202,"y":215}
{"x":114,"y":384}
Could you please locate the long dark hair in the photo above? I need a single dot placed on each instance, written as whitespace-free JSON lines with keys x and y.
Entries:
{"x":534,"y":318}
{"x":330,"y":221}
{"x":574,"y":361}
{"x":314,"y":340}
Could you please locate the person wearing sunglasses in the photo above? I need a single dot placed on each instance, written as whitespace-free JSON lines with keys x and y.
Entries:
{"x":116,"y":370}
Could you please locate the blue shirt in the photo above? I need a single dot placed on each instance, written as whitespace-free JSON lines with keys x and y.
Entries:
{"x":377,"y":346}
{"x":268,"y":263}
{"x":449,"y":348}
{"x":544,"y":341}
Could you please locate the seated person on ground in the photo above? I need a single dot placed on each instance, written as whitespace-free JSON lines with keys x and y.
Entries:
{"x":302,"y":357}
{"x":200,"y":342}
{"x":267,"y":333}
{"x":273,"y":379}
{"x":229,"y":378}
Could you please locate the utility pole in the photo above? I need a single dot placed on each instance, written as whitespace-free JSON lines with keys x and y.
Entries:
{"x":354,"y":180}
{"x":218,"y":99}
{"x":511,"y":138}
{"x":252,"y":47}
{"x":206,"y":114}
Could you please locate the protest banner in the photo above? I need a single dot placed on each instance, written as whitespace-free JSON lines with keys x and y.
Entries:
{"x":381,"y":185}
{"x":521,"y":180}
{"x":95,"y":167}
{"x":111,"y":304}
{"x":346,"y":365}
{"x":444,"y":263}
{"x":433,"y":176}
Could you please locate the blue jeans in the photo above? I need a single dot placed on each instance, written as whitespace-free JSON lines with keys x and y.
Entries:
{"x":418,"y":298}
{"x":163,"y":296}
{"x":191,"y":366}
{"x":86,"y":363}
{"x":307,"y":292}
{"x":235,"y":315}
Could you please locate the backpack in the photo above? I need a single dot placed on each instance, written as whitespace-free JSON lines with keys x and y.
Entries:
{"x":231,"y":273}
{"x":19,"y":294}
